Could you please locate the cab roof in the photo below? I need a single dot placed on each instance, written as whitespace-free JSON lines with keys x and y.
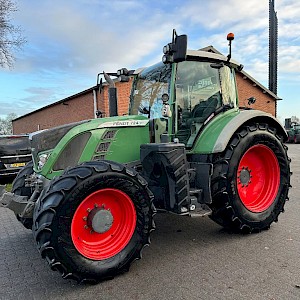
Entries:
{"x":209,"y":56}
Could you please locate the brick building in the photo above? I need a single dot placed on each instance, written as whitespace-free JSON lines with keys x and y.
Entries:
{"x":249,"y":87}
{"x":84,"y":105}
{"x":81,"y":106}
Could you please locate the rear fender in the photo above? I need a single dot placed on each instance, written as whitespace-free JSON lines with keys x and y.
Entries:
{"x":243,"y":118}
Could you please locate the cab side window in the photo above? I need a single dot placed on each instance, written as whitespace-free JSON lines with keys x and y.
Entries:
{"x":198,"y":95}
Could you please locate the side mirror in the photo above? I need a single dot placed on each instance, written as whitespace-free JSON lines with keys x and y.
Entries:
{"x":180,"y":48}
{"x":175,"y":51}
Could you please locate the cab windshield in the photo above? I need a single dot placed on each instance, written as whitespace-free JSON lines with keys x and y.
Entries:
{"x":147,"y":90}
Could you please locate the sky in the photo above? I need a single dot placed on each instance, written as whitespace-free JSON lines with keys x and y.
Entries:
{"x":70,"y":42}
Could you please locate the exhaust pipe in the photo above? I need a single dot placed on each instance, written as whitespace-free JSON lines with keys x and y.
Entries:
{"x":112,"y":96}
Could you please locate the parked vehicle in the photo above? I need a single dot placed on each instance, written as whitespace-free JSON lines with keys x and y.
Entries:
{"x":185,"y":147}
{"x":293,"y":131}
{"x":296,"y":133}
{"x":15,"y":152}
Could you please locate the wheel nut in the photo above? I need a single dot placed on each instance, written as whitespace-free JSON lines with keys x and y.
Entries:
{"x":95,"y":205}
{"x":88,"y":210}
{"x":84,"y":218}
{"x":86,"y":227}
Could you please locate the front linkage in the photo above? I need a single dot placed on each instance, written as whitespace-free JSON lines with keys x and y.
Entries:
{"x":23,"y":197}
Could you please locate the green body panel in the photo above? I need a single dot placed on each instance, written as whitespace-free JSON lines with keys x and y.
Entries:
{"x":124,"y":147}
{"x":206,"y":141}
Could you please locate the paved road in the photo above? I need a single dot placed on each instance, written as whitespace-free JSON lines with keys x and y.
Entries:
{"x":188,"y":259}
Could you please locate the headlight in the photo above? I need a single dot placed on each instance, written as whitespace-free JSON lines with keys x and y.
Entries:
{"x":42,"y":160}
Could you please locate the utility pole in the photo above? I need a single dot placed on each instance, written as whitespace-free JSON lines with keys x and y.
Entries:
{"x":273,"y":47}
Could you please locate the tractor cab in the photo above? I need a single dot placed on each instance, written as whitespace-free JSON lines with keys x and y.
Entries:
{"x":202,"y":90}
{"x":194,"y":88}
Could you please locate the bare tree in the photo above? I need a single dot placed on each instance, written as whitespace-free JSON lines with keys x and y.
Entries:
{"x":11,"y":38}
{"x":6,"y":124}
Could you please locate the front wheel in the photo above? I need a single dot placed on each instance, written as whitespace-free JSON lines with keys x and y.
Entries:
{"x":94,"y":220}
{"x":251,"y":180}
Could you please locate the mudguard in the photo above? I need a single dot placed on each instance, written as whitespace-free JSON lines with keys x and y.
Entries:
{"x":239,"y":120}
{"x":217,"y":134}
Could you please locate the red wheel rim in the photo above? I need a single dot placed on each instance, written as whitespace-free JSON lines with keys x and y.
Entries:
{"x":258,"y":178}
{"x":114,"y":205}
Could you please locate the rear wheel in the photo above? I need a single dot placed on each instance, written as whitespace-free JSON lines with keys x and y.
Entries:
{"x":94,"y":220}
{"x":18,"y":188}
{"x":251,"y":180}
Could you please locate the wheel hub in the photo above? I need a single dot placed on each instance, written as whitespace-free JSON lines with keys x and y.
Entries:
{"x":100,"y":220}
{"x":103,"y":223}
{"x":245,"y":176}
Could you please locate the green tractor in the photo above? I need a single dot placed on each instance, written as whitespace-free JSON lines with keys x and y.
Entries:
{"x":293,"y":131}
{"x":93,"y":187}
{"x":297,"y":133}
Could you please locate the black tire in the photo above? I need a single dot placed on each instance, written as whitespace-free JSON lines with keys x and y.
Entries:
{"x":18,"y":188}
{"x":232,"y":207}
{"x":57,"y":217}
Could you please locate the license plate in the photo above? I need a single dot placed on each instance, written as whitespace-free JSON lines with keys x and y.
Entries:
{"x":17,"y":165}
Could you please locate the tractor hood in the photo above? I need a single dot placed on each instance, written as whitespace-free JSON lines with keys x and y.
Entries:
{"x":56,"y":149}
{"x":49,"y":138}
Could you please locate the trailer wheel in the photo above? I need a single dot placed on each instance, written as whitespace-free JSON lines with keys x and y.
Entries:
{"x":94,"y":220}
{"x":251,"y":180}
{"x":18,"y":188}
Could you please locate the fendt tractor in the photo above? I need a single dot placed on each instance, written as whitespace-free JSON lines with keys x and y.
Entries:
{"x":91,"y":191}
{"x":293,"y":131}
